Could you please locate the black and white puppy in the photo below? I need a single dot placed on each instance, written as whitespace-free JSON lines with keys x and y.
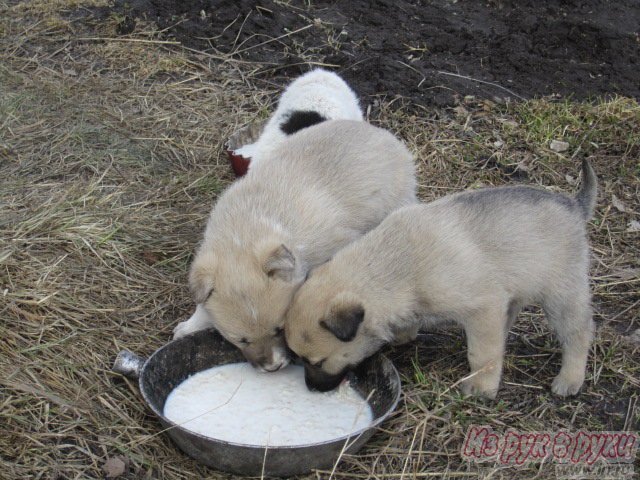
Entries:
{"x":312,"y":98}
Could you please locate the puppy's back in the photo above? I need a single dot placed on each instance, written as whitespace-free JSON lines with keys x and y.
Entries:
{"x":324,"y":186}
{"x":527,"y":237}
{"x":323,"y":92}
{"x":357,"y":164}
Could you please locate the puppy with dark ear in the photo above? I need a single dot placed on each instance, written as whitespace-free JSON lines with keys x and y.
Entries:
{"x":343,"y":321}
{"x":476,"y":258}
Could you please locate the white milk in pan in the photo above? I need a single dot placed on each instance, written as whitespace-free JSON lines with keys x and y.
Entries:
{"x":238,"y":404}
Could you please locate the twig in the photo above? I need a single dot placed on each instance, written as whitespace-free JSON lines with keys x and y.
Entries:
{"x":482,"y":81}
{"x":346,"y":444}
{"x":235,"y":40}
{"x":127,"y":40}
{"x":415,"y":70}
{"x":224,"y":57}
{"x":272,"y":39}
{"x":623,"y":312}
{"x":413,"y":475}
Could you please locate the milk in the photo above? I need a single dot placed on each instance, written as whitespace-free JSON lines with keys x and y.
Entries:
{"x":238,"y":404}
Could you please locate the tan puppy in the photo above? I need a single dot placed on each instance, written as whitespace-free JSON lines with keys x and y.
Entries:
{"x":321,"y":189}
{"x":476,"y":258}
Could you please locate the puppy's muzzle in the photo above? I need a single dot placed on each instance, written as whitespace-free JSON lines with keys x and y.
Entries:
{"x":272,"y":366}
{"x":318,"y":380}
{"x":269,"y":359}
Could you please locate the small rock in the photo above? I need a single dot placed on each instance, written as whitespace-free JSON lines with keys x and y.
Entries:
{"x":617,"y":203}
{"x":460,"y":111}
{"x":558,"y":146}
{"x":114,"y":467}
{"x":634,"y":338}
{"x":633,"y":226}
{"x":524,"y":165}
{"x":507,"y":122}
{"x":498,"y":144}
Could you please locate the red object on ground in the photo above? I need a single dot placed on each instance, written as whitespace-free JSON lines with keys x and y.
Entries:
{"x":245,"y":136}
{"x":239,"y":164}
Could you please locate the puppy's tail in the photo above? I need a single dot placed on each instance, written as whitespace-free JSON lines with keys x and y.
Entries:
{"x":586,"y":197}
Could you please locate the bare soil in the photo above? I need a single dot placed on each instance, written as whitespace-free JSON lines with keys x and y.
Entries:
{"x":430,"y":51}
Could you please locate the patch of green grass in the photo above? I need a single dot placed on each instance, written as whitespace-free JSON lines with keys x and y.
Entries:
{"x":591,"y":125}
{"x":545,"y":121}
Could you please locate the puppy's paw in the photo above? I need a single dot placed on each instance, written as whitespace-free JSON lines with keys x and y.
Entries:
{"x":405,"y":336}
{"x":200,"y":320}
{"x":182,"y":329}
{"x":565,"y":387}
{"x":479,"y":388}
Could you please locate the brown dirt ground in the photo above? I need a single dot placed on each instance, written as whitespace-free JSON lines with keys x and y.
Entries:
{"x":430,"y":51}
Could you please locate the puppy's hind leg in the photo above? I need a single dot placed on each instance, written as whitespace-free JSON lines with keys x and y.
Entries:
{"x":515,"y":307}
{"x":200,"y":320}
{"x":486,"y":337}
{"x":571,"y":318}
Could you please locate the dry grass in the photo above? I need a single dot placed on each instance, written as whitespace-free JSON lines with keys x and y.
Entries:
{"x":110,"y":157}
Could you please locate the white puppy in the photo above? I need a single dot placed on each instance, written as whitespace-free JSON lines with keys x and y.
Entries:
{"x":312,"y":98}
{"x":321,"y":189}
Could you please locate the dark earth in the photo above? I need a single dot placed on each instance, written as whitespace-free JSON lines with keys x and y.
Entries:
{"x":417,"y":49}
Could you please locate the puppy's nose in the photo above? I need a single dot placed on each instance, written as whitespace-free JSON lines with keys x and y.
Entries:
{"x":267,"y":359}
{"x":269,"y":368}
{"x":316,"y":380}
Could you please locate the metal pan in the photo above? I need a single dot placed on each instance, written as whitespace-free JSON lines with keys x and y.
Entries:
{"x":376,"y":379}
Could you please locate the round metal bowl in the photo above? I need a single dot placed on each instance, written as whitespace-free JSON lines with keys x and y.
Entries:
{"x":376,"y":379}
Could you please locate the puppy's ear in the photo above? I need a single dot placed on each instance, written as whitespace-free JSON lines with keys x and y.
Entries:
{"x":343,"y":319}
{"x":201,"y":278}
{"x":280,"y":263}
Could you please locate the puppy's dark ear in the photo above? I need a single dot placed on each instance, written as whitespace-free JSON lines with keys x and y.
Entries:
{"x":280,"y":263}
{"x":201,"y":279}
{"x":344,"y":321}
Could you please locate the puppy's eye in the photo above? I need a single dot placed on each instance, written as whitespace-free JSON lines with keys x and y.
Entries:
{"x":244,"y":341}
{"x":278,"y":331}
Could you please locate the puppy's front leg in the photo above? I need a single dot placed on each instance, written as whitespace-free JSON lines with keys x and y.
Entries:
{"x":405,"y":335}
{"x":485,"y":344}
{"x":200,"y":320}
